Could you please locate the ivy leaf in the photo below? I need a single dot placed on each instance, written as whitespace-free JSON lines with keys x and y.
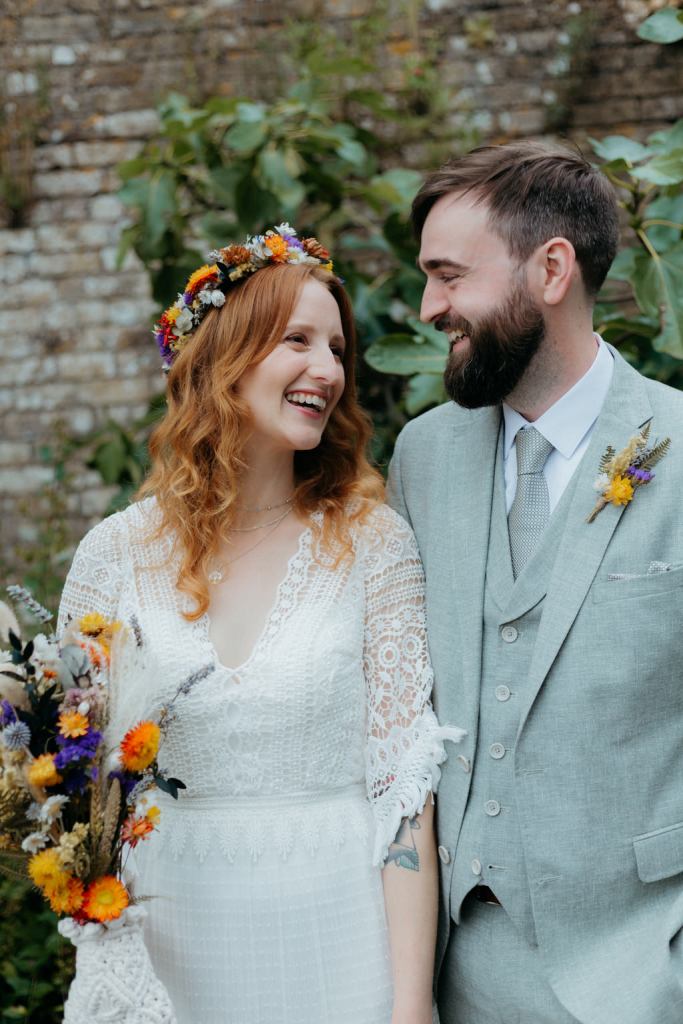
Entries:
{"x":663,"y":26}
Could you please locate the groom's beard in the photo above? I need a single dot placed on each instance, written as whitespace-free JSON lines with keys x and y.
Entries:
{"x":502,"y":344}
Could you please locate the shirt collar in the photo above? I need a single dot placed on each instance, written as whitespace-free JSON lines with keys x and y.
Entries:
{"x":567,"y":422}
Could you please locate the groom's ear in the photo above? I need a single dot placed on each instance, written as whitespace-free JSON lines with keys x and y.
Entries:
{"x":554,"y":269}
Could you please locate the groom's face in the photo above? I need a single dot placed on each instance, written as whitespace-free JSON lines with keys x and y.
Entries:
{"x":478,"y":294}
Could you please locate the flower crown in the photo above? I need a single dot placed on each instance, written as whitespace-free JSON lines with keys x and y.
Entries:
{"x":207,"y":287}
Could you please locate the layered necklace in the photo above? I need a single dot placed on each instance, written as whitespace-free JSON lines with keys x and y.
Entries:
{"x":216,"y":575}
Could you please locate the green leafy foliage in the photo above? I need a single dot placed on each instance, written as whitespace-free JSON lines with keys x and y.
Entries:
{"x":649,"y":178}
{"x":36,"y":964}
{"x":664,"y":26}
{"x":326,"y":152}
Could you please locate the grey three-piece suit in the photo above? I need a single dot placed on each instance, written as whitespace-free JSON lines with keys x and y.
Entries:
{"x":566,"y":797}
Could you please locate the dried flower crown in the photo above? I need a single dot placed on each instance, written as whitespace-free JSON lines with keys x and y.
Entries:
{"x":207,"y":287}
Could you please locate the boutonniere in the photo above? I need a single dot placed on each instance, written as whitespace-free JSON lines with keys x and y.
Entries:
{"x":622,"y":472}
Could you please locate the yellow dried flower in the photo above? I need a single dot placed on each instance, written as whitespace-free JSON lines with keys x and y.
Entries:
{"x":73,"y":724}
{"x":46,"y":867}
{"x":43,"y":772}
{"x":620,"y":491}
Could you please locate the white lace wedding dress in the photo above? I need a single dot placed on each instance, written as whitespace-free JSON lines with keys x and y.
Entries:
{"x":266,"y":895}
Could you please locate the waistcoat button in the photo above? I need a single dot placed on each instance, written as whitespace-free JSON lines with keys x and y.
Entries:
{"x":476,"y":866}
{"x":444,"y":855}
{"x":503,"y":693}
{"x":492,"y":808}
{"x":509,"y":634}
{"x":497,"y":750}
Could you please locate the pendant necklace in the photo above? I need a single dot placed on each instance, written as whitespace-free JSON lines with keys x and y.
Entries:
{"x":217,"y":574}
{"x":266,"y":508}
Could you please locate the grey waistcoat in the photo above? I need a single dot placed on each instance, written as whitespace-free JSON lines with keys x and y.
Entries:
{"x":489,"y":850}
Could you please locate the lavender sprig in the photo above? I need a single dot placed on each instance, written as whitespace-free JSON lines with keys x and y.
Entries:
{"x":23,"y":596}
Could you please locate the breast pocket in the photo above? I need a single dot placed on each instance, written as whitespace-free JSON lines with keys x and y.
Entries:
{"x":659,"y":854}
{"x":632,"y":587}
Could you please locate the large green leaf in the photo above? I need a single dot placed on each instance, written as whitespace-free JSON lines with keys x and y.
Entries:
{"x":619,"y":147}
{"x":663,"y":169}
{"x":666,"y":208}
{"x":424,"y":389}
{"x":160,"y":204}
{"x":663,"y":26}
{"x":246,"y":136}
{"x":275,"y":176}
{"x":404,"y":355}
{"x":657,"y":287}
{"x":223,"y":182}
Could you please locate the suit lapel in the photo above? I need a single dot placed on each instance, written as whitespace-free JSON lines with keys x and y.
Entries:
{"x":583,"y":544}
{"x":471,"y":492}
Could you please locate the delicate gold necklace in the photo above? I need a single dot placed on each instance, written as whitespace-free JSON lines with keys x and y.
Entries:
{"x":251,"y":529}
{"x":217,"y":574}
{"x":266,"y":508}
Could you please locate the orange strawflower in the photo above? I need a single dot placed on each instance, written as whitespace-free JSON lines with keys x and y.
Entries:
{"x":105,"y":899}
{"x":200,"y":276}
{"x":278,"y":246}
{"x":73,"y":724}
{"x":42,"y":771}
{"x":45,"y":868}
{"x":139,"y":746}
{"x":134,"y":829}
{"x":65,"y":894}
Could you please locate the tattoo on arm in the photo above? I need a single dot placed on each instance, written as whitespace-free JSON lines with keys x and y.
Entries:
{"x":403,"y":851}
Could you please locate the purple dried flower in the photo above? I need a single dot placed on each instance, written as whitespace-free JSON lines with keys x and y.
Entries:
{"x":76,"y":749}
{"x":7,"y":713}
{"x":643,"y":476}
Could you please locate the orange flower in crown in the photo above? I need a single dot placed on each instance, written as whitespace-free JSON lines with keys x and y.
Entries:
{"x":207,"y":286}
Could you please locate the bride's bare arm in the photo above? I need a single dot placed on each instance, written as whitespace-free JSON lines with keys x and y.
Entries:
{"x":410,"y":878}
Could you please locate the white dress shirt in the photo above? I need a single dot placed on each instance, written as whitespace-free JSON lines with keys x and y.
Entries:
{"x":568,"y":425}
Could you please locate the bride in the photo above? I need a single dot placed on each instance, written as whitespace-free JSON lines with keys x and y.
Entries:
{"x":294,"y":880}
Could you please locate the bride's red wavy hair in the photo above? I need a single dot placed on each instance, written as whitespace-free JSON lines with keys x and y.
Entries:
{"x":197,"y":449}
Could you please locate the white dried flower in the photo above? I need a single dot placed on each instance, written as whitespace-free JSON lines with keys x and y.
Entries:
{"x":83,"y":708}
{"x":602,"y":483}
{"x":217,"y":298}
{"x":184,"y":321}
{"x":34,"y":842}
{"x":52,"y":808}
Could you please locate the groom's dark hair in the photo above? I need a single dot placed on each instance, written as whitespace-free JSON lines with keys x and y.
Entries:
{"x":534,"y":191}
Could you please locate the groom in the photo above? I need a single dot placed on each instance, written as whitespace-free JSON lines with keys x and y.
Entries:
{"x":557,"y":642}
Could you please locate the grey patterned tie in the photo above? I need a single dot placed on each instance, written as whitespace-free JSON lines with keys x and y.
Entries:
{"x":530,"y":510}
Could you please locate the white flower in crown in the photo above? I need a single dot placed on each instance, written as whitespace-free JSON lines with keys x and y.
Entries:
{"x":285,"y":229}
{"x":217,"y":298}
{"x":258,"y":248}
{"x":184,"y":321}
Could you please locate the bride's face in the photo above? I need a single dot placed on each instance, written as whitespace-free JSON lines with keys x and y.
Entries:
{"x":292,"y":392}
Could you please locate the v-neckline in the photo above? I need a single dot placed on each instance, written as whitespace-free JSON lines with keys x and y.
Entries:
{"x":287,"y":582}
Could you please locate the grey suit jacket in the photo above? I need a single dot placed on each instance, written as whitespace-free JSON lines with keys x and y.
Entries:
{"x":599,"y":752}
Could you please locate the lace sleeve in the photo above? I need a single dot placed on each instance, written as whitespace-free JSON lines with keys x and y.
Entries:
{"x":95,"y":577}
{"x":405,"y":743}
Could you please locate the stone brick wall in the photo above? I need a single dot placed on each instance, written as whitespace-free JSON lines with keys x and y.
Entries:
{"x":79,"y":82}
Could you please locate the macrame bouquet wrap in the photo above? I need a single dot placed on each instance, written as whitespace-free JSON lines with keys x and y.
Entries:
{"x":115,"y":982}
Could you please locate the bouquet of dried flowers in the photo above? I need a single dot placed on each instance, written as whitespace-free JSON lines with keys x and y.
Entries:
{"x":70,"y":793}
{"x":67,"y":807}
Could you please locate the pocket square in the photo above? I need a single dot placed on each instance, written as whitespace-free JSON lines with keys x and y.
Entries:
{"x":652,"y":570}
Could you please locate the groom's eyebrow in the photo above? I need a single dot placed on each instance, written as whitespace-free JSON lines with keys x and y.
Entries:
{"x":441,"y":264}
